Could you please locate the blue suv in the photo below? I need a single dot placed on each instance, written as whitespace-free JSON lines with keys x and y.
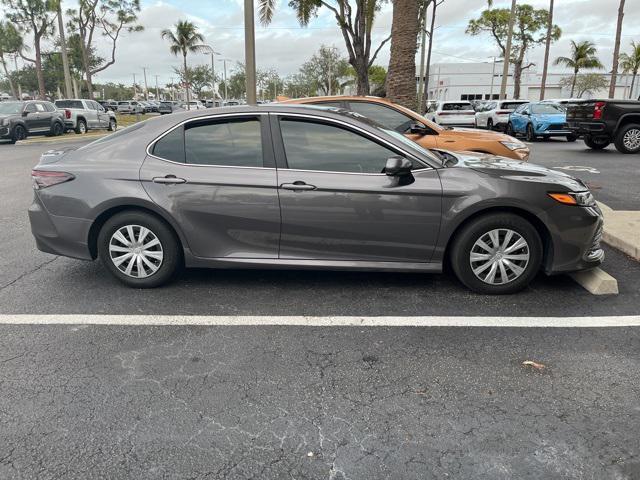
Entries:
{"x":539,"y":119}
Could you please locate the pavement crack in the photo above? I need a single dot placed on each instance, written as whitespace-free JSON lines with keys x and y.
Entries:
{"x":33,"y":270}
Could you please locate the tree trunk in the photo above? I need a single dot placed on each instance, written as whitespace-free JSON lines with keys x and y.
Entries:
{"x":39,"y":72}
{"x":362,"y":75}
{"x":401,"y":79}
{"x":573,"y":83}
{"x":517,"y":78}
{"x":63,"y":50}
{"x":633,"y":81}
{"x":545,"y":65}
{"x":86,"y":66}
{"x":616,"y":51}
{"x":13,"y":87}
{"x":186,"y":79}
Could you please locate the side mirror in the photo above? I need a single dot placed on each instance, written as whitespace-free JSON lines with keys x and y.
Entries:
{"x":398,"y":167}
{"x":418,"y":128}
{"x":25,"y":113}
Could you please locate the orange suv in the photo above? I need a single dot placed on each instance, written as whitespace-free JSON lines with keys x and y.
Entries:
{"x":421,"y":130}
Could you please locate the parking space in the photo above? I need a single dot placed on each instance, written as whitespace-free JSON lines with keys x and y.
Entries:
{"x":314,"y":402}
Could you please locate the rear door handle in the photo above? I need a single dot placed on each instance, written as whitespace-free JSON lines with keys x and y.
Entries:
{"x":297,"y":186}
{"x":168,"y":180}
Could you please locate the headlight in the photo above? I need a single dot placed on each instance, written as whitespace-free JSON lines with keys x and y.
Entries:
{"x":514,"y":145}
{"x":580,"y":199}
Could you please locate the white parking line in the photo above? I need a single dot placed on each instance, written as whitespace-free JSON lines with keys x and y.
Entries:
{"x":309,"y":321}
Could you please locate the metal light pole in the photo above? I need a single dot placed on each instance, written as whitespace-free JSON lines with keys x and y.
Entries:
{"x":224,"y":62}
{"x":249,"y":51}
{"x":493,"y":74}
{"x":208,"y":49}
{"x":157,"y":91}
{"x":135,"y":91}
{"x":146,"y":88}
{"x":507,"y":52}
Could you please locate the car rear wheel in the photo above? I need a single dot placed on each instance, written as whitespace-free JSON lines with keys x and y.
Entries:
{"x":499,"y":253}
{"x":530,"y":135}
{"x":628,"y":139}
{"x":81,"y":127}
{"x":139,"y":249}
{"x":57,"y":129}
{"x":596,"y":143}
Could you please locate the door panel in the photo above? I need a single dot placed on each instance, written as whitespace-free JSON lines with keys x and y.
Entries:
{"x":359,"y":217}
{"x":223,"y":211}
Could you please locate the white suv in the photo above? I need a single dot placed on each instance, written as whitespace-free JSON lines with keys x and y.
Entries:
{"x":495,"y":114}
{"x":452,"y":113}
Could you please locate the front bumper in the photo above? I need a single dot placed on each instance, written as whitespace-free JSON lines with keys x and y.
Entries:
{"x":576,"y":233}
{"x":67,"y":236}
{"x":5,"y":132}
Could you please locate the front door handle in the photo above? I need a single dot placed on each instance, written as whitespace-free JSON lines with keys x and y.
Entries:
{"x":299,"y":185}
{"x":168,"y":180}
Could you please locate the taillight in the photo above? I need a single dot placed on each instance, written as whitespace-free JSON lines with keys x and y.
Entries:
{"x":67,"y":114}
{"x":597,"y":110}
{"x":44,"y":179}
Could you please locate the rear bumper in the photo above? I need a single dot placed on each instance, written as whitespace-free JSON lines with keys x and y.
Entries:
{"x":58,"y":235}
{"x":587,"y":128}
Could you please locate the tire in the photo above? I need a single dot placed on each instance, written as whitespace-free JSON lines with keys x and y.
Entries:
{"x":628,"y":139}
{"x":165,"y":256}
{"x":81,"y":126}
{"x":57,"y":129}
{"x":113,"y":125}
{"x":530,"y":135}
{"x":596,"y":143}
{"x":490,"y":124}
{"x":465,"y":243}
{"x":509,"y":130}
{"x":19,"y":133}
{"x":571,"y":138}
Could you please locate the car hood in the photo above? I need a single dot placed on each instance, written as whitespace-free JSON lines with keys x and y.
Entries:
{"x":503,"y":167}
{"x":555,"y":117}
{"x":7,"y":115}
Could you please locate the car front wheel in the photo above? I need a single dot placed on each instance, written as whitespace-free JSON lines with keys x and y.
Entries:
{"x":531,"y":135}
{"x":509,"y":130}
{"x":112,"y":125}
{"x":499,"y":253}
{"x":628,"y":139}
{"x":489,"y":124}
{"x":19,"y":133}
{"x":139,"y":249}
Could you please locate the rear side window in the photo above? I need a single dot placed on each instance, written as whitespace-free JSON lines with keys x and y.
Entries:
{"x":511,"y":105}
{"x":456,"y":106}
{"x":171,"y":146}
{"x":229,"y":142}
{"x":385,"y":116}
{"x":69,"y":104}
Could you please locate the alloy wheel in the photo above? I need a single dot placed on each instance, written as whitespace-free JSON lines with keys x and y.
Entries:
{"x":631,"y":139}
{"x":499,"y":256}
{"x":136,"y":251}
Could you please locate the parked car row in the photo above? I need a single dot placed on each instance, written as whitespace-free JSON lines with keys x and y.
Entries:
{"x":19,"y":119}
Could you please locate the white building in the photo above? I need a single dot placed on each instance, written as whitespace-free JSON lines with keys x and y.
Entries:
{"x":481,"y":81}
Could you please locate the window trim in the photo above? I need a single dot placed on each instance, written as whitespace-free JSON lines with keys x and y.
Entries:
{"x":267,"y":149}
{"x":282,"y":158}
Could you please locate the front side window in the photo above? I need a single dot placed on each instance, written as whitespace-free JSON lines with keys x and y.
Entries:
{"x":321,"y":147}
{"x":385,"y":116}
{"x":30,"y":108}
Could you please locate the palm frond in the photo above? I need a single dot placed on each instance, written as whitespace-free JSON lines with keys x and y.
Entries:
{"x":266,"y":9}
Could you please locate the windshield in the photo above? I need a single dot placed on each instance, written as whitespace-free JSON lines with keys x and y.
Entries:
{"x":546,"y":108}
{"x":10,"y":107}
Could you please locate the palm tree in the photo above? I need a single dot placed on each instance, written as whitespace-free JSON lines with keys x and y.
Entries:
{"x":616,"y":51}
{"x":583,"y":55}
{"x":631,"y":64}
{"x":185,"y":39}
{"x":545,"y":65}
{"x":401,"y":85}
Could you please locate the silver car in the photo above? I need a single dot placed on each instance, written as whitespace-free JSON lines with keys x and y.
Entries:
{"x":289,"y":186}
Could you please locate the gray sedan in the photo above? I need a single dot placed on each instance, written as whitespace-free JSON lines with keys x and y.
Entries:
{"x":287,"y":186}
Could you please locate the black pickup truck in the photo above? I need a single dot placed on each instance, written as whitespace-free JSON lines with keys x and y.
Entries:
{"x":601,"y":122}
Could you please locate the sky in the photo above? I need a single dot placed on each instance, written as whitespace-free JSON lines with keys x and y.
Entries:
{"x":284,"y":45}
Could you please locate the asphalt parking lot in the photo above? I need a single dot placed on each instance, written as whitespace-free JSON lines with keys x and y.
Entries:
{"x":247,"y":401}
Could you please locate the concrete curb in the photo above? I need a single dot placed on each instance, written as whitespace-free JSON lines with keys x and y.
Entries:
{"x":622,"y":230}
